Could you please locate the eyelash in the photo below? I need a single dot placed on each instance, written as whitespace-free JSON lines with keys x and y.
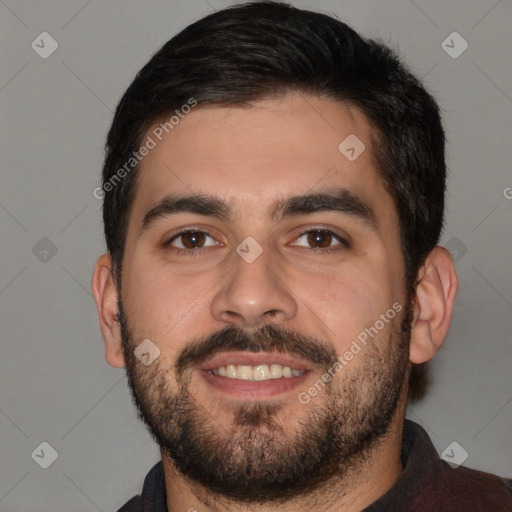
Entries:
{"x":198,"y":251}
{"x":189,"y":252}
{"x":343,"y":242}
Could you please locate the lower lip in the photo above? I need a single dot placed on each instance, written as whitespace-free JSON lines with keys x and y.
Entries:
{"x":253,"y":388}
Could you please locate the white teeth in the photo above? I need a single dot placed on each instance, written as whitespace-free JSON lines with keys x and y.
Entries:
{"x":244,"y":372}
{"x":276,"y":371}
{"x":259,"y":372}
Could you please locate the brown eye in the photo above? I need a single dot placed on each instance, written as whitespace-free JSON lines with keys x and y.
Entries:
{"x":321,"y":239}
{"x":191,"y":240}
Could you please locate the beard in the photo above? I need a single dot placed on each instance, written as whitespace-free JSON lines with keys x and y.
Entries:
{"x":256,"y":459}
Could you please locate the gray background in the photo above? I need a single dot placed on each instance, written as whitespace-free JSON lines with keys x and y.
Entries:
{"x":55,"y":384}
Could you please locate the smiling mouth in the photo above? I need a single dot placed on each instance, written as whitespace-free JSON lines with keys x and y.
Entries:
{"x":249,"y":375}
{"x":256,"y":373}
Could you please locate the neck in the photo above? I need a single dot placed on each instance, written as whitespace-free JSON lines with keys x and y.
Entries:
{"x":369,"y":477}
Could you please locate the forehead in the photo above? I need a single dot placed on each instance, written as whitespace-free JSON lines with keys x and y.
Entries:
{"x":254,"y":155}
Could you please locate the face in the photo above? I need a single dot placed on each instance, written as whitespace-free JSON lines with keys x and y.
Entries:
{"x":264,"y":264}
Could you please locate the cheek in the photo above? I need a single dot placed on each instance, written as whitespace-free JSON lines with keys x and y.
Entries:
{"x":168,"y":308}
{"x":158,"y":303}
{"x":349,"y":303}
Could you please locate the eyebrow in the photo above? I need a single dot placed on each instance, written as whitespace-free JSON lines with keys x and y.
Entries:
{"x":199,"y":204}
{"x":341,"y":200}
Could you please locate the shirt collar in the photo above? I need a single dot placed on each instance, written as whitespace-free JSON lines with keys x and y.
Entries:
{"x":154,"y":496}
{"x":421,"y":465}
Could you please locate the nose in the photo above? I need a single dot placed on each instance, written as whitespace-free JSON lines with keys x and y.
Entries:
{"x":254,"y":294}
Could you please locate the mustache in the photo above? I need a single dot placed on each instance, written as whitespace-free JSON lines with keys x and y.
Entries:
{"x":269,"y":338}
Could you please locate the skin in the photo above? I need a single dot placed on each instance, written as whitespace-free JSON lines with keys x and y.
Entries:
{"x":250,"y":158}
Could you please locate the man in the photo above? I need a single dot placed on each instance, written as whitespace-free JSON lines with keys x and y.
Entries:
{"x":273,"y":199}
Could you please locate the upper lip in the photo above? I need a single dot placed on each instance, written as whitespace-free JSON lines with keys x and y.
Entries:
{"x":254,"y":359}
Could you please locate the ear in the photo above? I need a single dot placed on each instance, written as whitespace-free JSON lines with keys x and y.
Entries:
{"x":435,"y":296}
{"x":105,"y":295}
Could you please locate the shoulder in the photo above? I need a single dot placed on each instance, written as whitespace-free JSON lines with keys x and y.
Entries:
{"x":134,"y":505}
{"x":473,"y":489}
{"x":429,"y":483}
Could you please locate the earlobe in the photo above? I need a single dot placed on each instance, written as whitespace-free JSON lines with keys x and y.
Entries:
{"x":106,"y":298}
{"x":435,"y":297}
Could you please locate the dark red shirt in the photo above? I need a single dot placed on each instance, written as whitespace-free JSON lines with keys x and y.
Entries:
{"x":427,"y":484}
